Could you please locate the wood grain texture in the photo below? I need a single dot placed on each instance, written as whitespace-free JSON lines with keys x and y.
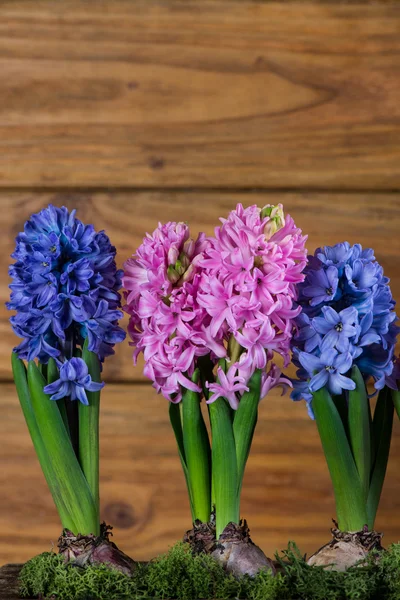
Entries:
{"x":371,"y":219}
{"x":170,"y":93}
{"x":9,"y":581}
{"x":287,"y":492}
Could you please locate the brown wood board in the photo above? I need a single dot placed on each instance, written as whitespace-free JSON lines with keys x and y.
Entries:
{"x":170,"y":93}
{"x":9,"y":581}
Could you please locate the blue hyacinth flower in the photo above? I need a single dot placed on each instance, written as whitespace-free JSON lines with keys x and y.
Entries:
{"x":65,"y":287}
{"x":347,"y":319}
{"x":74,"y":382}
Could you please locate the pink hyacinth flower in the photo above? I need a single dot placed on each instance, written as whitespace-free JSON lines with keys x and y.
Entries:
{"x":230,"y":384}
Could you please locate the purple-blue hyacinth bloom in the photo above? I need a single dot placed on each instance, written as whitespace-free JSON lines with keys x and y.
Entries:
{"x":393,"y":380}
{"x":74,"y":382}
{"x":65,"y":287}
{"x":306,"y":334}
{"x":327,"y":370}
{"x":322,"y":286}
{"x":337,"y":328}
{"x":347,"y":319}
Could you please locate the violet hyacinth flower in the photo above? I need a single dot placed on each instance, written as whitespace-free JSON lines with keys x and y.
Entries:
{"x":73,"y":382}
{"x":322,"y":286}
{"x":65,"y":295}
{"x":355,"y":317}
{"x":337,"y":328}
{"x":328,"y":370}
{"x":64,"y":290}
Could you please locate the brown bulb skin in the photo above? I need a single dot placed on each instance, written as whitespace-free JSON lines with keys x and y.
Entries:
{"x":83,"y":550}
{"x":346,"y":549}
{"x":234,"y":550}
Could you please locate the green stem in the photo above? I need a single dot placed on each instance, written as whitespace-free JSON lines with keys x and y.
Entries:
{"x":224,"y":465}
{"x":197,"y":453}
{"x":234,"y":349}
{"x":89,"y":432}
{"x":349,"y":496}
{"x":52,"y":375}
{"x":67,"y":471}
{"x":53,"y":483}
{"x":71,"y":406}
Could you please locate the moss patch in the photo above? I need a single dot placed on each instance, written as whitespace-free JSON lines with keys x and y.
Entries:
{"x":182,"y":576}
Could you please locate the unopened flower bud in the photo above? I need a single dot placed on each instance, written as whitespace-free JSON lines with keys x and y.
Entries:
{"x":184,"y":260}
{"x":172,"y":274}
{"x":189,"y":247}
{"x":188,"y":274}
{"x":179,"y":268}
{"x":276,"y":219}
{"x":173,"y":254}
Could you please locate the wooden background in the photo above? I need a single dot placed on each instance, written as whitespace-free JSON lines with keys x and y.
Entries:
{"x":135,"y":112}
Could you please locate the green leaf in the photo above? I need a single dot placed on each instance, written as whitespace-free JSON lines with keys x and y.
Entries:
{"x":382,"y":432}
{"x":224,"y":465}
{"x":396,"y":401}
{"x":197,"y":453}
{"x":359,"y":429}
{"x":67,"y":471}
{"x":343,"y":409}
{"x":89,"y":417}
{"x":24,"y":397}
{"x":52,"y":375}
{"x":176,"y":422}
{"x":349,"y":497}
{"x":244,"y":424}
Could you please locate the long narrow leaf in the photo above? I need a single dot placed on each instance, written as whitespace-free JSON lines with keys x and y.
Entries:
{"x":176,"y":422}
{"x":197,"y":453}
{"x":349,"y":497}
{"x":24,"y":397}
{"x":244,"y":424}
{"x":89,"y":431}
{"x":359,"y":429}
{"x":382,"y":432}
{"x":67,"y":471}
{"x":396,"y":401}
{"x":52,"y":375}
{"x":343,"y":409}
{"x":224,"y":465}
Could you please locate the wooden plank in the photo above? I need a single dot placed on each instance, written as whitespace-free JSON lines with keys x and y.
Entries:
{"x":371,"y":219}
{"x":155,"y":93}
{"x":9,"y":581}
{"x":287,"y":492}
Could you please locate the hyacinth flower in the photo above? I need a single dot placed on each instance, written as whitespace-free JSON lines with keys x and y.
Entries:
{"x":209,"y":315}
{"x":65,"y":296}
{"x":345,"y":340}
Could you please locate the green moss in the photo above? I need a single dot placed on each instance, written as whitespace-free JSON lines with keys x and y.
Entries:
{"x":46,"y":575}
{"x":316,"y":583}
{"x":182,"y":576}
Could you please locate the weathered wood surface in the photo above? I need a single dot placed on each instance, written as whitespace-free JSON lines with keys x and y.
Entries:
{"x":287,"y":494}
{"x":170,"y":93}
{"x":9,"y":581}
{"x":369,"y":218}
{"x":131,"y":94}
